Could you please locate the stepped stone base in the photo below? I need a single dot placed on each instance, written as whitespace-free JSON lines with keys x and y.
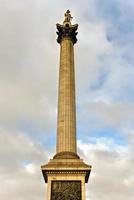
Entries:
{"x":66,"y":162}
{"x":66,"y":175}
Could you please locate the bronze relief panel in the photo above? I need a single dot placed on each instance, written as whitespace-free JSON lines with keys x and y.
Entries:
{"x":66,"y":190}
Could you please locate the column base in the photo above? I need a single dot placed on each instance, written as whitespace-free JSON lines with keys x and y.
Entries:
{"x":66,"y":155}
{"x":60,"y":165}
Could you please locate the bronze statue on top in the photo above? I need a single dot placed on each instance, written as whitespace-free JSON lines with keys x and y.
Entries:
{"x":68,"y":17}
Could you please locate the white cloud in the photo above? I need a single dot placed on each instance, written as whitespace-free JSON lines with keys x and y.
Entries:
{"x":20,"y":170}
{"x":30,"y":168}
{"x":113,"y":174}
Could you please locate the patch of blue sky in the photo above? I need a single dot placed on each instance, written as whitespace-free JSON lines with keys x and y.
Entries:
{"x":25,"y":162}
{"x":109,"y":134}
{"x":114,"y":10}
{"x":116,"y":84}
{"x":99,"y":82}
{"x":109,"y":11}
{"x":29,"y":128}
{"x":38,"y":133}
{"x":121,"y":93}
{"x":123,"y":90}
{"x":49,"y":141}
{"x":126,"y":95}
{"x":120,"y":16}
{"x":128,"y":54}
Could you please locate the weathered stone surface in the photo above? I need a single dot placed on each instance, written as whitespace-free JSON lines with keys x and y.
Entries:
{"x":66,"y":123}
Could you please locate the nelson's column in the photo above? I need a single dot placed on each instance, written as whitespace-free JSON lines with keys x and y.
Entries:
{"x":66,"y":174}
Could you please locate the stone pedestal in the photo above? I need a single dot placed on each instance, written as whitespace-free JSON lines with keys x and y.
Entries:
{"x":66,"y":178}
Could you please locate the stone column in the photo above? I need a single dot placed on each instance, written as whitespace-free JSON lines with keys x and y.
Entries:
{"x":66,"y":174}
{"x":66,"y":122}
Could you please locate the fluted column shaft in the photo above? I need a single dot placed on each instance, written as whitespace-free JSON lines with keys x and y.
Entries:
{"x":66,"y":124}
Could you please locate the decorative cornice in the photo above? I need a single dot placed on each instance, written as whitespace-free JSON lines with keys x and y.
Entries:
{"x":66,"y":171}
{"x":67,"y":31}
{"x":66,"y":166}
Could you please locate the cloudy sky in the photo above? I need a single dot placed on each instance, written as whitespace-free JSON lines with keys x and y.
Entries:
{"x":104,"y":64}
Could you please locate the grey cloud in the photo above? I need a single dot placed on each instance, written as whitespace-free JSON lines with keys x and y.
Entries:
{"x":18,"y":153}
{"x":112,"y":173}
{"x":17,"y":148}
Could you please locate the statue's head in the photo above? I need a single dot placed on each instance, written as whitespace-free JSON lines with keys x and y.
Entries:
{"x":68,"y":11}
